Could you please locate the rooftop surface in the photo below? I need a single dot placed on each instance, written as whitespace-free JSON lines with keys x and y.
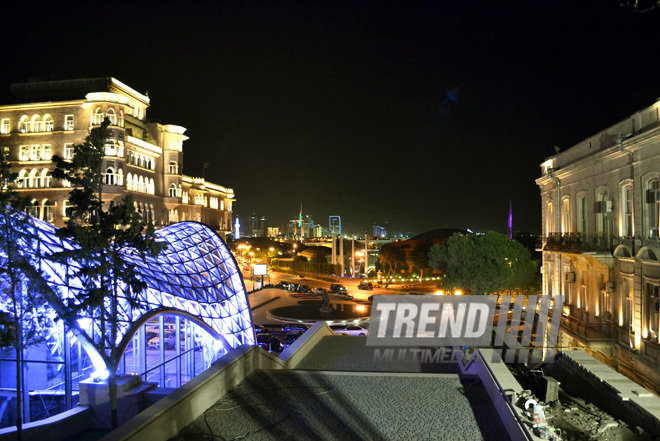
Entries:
{"x":338,"y":392}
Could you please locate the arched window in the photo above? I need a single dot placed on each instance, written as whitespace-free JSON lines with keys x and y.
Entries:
{"x":173,"y":168}
{"x":129,"y":182}
{"x":120,"y":177}
{"x":141,"y":185}
{"x":110,"y":176}
{"x":47,"y":211}
{"x":35,"y":209}
{"x":46,"y":178}
{"x":135,"y":183}
{"x":152,"y":187}
{"x":35,"y":179}
{"x":198,"y":199}
{"x":121,"y":118}
{"x":24,"y":124}
{"x":48,"y":123}
{"x":627,"y":211}
{"x":98,"y":116}
{"x":566,"y":215}
{"x":172,"y":191}
{"x":21,"y":180}
{"x":36,"y":124}
{"x":112,"y":117}
{"x":653,"y":206}
{"x":603,"y":206}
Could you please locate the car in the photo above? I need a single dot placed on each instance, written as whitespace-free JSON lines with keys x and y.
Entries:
{"x":294,"y":327}
{"x":366,"y":285}
{"x":291,"y":337}
{"x":318,"y":291}
{"x":169,"y":341}
{"x":269,"y":342}
{"x":304,"y":288}
{"x":343,"y":296}
{"x":352,"y":330}
{"x":338,"y":288}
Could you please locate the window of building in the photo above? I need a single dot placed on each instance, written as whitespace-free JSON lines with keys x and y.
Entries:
{"x":47,"y":123}
{"x":24,"y":124}
{"x":121,"y":119}
{"x":35,"y":152}
{"x":110,"y":149}
{"x":129,"y":181}
{"x":184,"y":197}
{"x":24,"y":153}
{"x":21,"y":181}
{"x":34,"y":209}
{"x":602,"y":207}
{"x":48,"y":208}
{"x":653,"y":207}
{"x":627,"y":307}
{"x":120,"y":149}
{"x":110,"y":176}
{"x":46,"y":152}
{"x":198,"y":199}
{"x":4,"y":126}
{"x":68,"y":151}
{"x":35,"y":179}
{"x":173,"y":190}
{"x":35,"y":124}
{"x":173,"y":168}
{"x":627,"y":211}
{"x":566,"y":215}
{"x":653,"y":309}
{"x":46,"y":178}
{"x":548,"y":219}
{"x":112,"y":117}
{"x":141,"y":184}
{"x":98,"y":116}
{"x":582,"y":295}
{"x":66,"y":208}
{"x":120,"y":177}
{"x":68,"y":122}
{"x":152,"y":186}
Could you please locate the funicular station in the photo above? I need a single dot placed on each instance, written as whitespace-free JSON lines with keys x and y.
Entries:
{"x":196,"y":312}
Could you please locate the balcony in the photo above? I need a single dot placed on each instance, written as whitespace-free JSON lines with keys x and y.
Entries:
{"x":580,"y":242}
{"x":590,"y":333}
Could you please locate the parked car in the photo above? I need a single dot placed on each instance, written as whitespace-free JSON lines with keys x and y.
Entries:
{"x":269,"y":342}
{"x":343,"y":296}
{"x":338,"y":288}
{"x":352,"y":330}
{"x":366,"y":285}
{"x":294,"y":327}
{"x":168,"y":342}
{"x":291,"y":337}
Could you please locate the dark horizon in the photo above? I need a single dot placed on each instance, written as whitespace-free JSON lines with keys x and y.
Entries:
{"x":412,"y":117}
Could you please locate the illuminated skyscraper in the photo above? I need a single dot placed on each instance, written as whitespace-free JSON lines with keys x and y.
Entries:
{"x":335,"y":226}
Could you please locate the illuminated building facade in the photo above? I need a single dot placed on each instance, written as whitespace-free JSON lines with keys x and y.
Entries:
{"x":196,"y":310}
{"x":144,"y":159}
{"x":601,"y":243}
{"x":335,"y":225}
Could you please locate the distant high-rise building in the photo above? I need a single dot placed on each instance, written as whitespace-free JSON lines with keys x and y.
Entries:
{"x":380,"y":231}
{"x":256,"y":226}
{"x":335,"y":226}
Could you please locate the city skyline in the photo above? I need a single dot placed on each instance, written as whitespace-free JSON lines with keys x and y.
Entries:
{"x":417,"y":117}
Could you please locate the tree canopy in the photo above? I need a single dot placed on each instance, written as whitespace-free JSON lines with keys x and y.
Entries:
{"x":419,"y":256}
{"x":484,"y":264}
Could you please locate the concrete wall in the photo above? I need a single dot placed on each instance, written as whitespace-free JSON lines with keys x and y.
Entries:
{"x":59,"y":427}
{"x":168,"y":416}
{"x":305,"y":343}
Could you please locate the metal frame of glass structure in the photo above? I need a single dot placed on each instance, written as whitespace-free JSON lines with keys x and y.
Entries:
{"x":195,"y":279}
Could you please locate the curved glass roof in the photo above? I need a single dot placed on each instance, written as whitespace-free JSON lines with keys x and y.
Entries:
{"x":196,"y":274}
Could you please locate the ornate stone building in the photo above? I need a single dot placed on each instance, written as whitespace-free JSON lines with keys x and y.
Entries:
{"x":601,"y":243}
{"x":144,"y":159}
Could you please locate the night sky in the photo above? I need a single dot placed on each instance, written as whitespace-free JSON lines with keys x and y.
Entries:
{"x":412,"y":115}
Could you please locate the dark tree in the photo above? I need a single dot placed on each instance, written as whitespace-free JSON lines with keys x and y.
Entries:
{"x":391,"y":256}
{"x":484,"y":264}
{"x":419,"y":257}
{"x":102,"y":236}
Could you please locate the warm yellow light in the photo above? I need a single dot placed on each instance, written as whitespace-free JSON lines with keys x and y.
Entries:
{"x":439,"y":293}
{"x":360,"y":308}
{"x":458,"y":292}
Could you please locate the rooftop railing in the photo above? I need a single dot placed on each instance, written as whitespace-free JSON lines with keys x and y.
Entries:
{"x":579,"y":242}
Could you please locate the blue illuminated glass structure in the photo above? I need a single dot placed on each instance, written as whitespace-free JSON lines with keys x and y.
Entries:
{"x":196,"y":279}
